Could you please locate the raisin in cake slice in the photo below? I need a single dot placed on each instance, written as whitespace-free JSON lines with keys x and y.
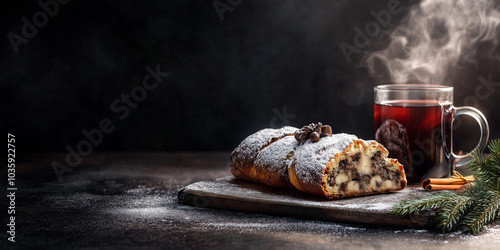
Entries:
{"x":343,"y":166}
{"x":243,"y":157}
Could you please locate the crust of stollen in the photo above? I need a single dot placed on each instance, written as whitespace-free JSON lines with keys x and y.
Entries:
{"x":243,"y":166}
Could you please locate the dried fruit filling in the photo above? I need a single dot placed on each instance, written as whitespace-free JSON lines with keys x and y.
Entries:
{"x":352,"y":174}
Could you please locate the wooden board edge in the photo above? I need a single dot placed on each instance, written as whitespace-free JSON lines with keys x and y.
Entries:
{"x":208,"y":200}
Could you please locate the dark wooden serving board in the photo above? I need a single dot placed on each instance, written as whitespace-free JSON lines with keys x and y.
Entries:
{"x":234,"y":194}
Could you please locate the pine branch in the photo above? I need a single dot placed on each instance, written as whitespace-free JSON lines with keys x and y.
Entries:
{"x":494,"y":147}
{"x":485,"y":213}
{"x":429,"y":202}
{"x":472,"y":209}
{"x":487,"y":168}
{"x":494,"y":163}
{"x":452,"y":213}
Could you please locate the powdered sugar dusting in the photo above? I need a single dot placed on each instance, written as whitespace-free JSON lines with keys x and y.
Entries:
{"x":311,"y":158}
{"x":249,"y":147}
{"x":274,"y":157}
{"x":369,"y":206}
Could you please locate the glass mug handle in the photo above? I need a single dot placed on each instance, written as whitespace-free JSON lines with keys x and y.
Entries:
{"x":460,"y":160}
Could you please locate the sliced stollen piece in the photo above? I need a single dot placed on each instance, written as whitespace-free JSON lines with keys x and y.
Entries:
{"x":343,"y":165}
{"x":242,"y":158}
{"x":272,"y":162}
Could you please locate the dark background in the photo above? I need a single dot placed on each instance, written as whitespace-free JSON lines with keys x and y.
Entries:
{"x":227,"y":78}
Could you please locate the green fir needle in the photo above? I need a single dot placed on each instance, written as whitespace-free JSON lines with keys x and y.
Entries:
{"x":471,"y":210}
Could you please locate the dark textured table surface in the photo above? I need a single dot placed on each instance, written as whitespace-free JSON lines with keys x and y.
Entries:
{"x":129,"y":200}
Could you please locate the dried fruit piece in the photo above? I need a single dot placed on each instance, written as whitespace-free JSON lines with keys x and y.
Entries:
{"x":394,"y":137}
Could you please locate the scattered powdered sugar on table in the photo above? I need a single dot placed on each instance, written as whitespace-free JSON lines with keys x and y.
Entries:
{"x":370,"y":206}
{"x":275,"y":226}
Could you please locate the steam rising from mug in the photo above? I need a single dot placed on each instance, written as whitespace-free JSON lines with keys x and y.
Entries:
{"x":435,"y":39}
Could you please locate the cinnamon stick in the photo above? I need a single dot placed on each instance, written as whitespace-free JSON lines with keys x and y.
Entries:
{"x":447,"y":181}
{"x":435,"y":187}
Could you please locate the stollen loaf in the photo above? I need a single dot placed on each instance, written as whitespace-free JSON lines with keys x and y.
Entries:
{"x":328,"y":165}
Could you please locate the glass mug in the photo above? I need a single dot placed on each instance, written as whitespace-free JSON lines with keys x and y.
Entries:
{"x":415,"y":123}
